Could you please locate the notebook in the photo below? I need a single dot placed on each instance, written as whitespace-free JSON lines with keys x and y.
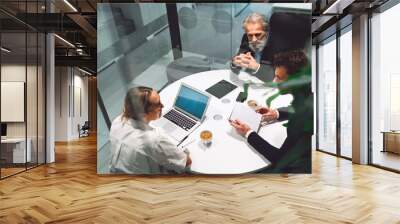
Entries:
{"x":246,"y":115}
{"x":221,"y":89}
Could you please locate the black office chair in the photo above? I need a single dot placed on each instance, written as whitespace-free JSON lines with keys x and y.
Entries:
{"x":288,"y":31}
{"x":84,"y":130}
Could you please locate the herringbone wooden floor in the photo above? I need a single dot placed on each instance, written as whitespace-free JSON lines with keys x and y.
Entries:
{"x":70,"y":191}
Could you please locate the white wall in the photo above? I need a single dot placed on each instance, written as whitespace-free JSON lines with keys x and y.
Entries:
{"x":12,"y":99}
{"x":71,"y":87}
{"x":33,"y":126}
{"x":79,"y":117}
{"x":16,"y":73}
{"x":61,"y":103}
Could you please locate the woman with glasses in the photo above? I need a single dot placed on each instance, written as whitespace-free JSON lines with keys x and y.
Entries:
{"x":138,"y":148}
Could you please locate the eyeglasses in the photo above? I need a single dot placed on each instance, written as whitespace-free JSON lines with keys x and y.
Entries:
{"x":156,"y":105}
{"x":146,"y":102}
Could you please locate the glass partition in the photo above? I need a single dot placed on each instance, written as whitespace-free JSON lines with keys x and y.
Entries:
{"x":135,"y":50}
{"x":345,"y":92}
{"x":327,"y":96}
{"x":14,"y":68}
{"x":385,"y":89}
{"x":22,"y":91}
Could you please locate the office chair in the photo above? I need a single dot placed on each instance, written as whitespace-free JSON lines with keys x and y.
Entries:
{"x":84,"y":130}
{"x":288,"y":31}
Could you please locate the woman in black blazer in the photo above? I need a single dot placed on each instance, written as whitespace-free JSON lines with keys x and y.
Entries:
{"x":292,"y":76}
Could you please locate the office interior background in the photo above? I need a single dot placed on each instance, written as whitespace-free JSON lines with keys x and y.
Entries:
{"x":49,"y":89}
{"x":28,"y":58}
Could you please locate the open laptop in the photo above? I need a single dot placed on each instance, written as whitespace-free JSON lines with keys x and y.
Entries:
{"x":187,"y":113}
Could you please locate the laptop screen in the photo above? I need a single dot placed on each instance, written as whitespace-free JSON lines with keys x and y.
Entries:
{"x":191,"y":101}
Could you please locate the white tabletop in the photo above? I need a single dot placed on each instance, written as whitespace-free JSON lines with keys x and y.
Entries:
{"x":229,"y":153}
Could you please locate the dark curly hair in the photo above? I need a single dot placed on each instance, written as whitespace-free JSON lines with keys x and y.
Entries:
{"x":293,"y":61}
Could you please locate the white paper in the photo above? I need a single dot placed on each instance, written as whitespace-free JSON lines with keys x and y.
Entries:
{"x":245,"y":114}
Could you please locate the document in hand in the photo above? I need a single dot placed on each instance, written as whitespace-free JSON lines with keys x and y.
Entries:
{"x":246,"y":115}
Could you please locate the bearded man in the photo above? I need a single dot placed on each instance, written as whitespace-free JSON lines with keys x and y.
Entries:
{"x":253,"y":55}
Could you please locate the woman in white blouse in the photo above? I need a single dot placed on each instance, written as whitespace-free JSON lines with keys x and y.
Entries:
{"x":138,"y":148}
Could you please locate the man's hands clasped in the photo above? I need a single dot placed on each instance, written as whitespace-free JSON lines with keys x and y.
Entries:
{"x":245,"y":61}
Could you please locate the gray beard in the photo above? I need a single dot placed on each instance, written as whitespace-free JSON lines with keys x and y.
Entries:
{"x":259,"y":46}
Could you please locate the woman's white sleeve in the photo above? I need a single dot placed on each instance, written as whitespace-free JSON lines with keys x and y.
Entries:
{"x":168,"y":154}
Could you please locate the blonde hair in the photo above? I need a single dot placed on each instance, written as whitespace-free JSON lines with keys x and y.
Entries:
{"x":136,"y":102}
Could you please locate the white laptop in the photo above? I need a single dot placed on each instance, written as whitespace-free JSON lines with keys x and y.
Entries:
{"x":187,"y":113}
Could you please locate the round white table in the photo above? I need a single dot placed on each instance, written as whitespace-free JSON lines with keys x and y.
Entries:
{"x":229,"y":153}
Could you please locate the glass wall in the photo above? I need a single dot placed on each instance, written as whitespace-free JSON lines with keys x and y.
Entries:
{"x":22,"y":92}
{"x":134,"y":48}
{"x":329,"y":111}
{"x":327,"y":95}
{"x":346,"y":92}
{"x":385,"y":89}
{"x":197,"y":22}
{"x":14,"y":145}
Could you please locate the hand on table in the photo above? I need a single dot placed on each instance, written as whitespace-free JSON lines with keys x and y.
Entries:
{"x":240,"y":127}
{"x":188,"y":159}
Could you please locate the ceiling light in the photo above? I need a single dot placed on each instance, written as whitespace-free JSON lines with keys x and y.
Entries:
{"x":332,"y":9}
{"x":86,"y":72}
{"x":70,"y":5}
{"x":337,"y":7}
{"x":5,"y":50}
{"x":65,"y":41}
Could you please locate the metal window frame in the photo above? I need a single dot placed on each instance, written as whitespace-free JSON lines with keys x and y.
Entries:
{"x":386,"y":6}
{"x":337,"y":34}
{"x":381,"y":9}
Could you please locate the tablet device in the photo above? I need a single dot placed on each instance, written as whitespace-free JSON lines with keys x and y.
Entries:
{"x":221,"y":88}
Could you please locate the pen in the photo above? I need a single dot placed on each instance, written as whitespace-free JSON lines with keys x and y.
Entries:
{"x":188,"y":143}
{"x":183,"y":140}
